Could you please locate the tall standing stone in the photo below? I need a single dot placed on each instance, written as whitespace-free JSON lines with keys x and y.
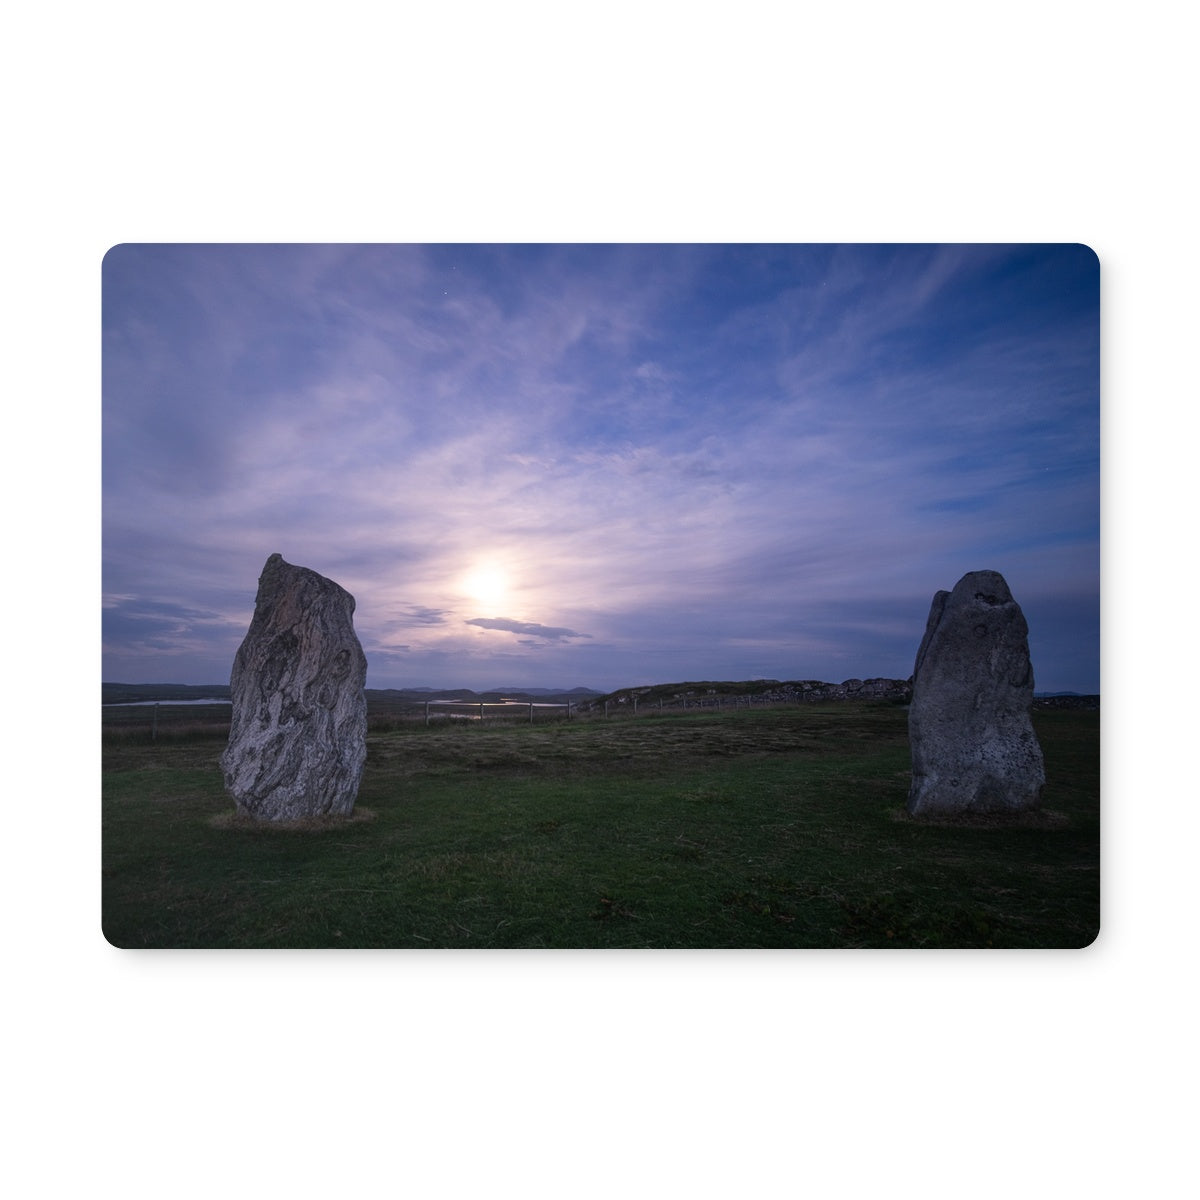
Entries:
{"x":297,"y":742}
{"x":972,"y":740}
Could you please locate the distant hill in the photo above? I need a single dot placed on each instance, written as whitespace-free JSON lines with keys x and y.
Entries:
{"x":698,"y":694}
{"x":419,"y":695}
{"x":763,"y":691}
{"x":668,"y":694}
{"x":128,"y":693}
{"x":1065,"y":700}
{"x":516,"y":691}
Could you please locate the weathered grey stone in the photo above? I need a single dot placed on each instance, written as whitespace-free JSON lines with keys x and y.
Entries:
{"x":973,"y":745}
{"x":297,"y":742}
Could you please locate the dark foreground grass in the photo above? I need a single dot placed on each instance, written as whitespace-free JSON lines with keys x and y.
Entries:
{"x":767,"y":828}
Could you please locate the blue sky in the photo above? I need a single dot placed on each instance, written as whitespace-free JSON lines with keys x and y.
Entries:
{"x":600,"y":465}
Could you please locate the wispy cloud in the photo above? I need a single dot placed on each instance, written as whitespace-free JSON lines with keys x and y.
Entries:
{"x":420,"y":615}
{"x":537,"y":634}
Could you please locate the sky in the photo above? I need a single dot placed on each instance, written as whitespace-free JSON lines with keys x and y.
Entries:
{"x":600,"y":465}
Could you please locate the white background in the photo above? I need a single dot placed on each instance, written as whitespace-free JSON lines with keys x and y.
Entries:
{"x":604,"y":1074}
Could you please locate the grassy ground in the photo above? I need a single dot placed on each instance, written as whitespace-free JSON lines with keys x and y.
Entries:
{"x":754,"y":828}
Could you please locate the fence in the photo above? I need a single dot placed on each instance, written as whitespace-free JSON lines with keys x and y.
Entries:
{"x":382,"y":713}
{"x":166,"y":718}
{"x":184,"y":719}
{"x":634,"y":706}
{"x":477,"y":709}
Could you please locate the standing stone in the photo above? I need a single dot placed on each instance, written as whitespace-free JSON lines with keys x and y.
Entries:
{"x":297,"y":742}
{"x":973,"y":745}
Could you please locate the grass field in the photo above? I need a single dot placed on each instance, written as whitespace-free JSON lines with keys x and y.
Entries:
{"x":778,"y":827}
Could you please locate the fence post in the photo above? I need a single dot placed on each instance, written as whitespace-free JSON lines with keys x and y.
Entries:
{"x":481,"y":712}
{"x":531,"y":712}
{"x":635,"y":706}
{"x":426,"y":714}
{"x":154,"y":727}
{"x":606,"y":708}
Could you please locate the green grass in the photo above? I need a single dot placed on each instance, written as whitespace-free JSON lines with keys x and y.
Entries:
{"x":755,"y":828}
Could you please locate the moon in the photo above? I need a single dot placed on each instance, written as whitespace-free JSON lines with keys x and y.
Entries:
{"x":487,"y":584}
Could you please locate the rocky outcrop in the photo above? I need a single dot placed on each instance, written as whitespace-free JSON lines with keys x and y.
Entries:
{"x":759,"y":691}
{"x":812,"y":691}
{"x":973,"y":745}
{"x":297,"y":741}
{"x":1088,"y":703}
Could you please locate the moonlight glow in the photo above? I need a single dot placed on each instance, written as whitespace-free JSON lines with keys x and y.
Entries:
{"x":487,"y":584}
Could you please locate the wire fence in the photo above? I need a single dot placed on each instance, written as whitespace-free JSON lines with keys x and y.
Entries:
{"x":531,"y":711}
{"x":480,"y":710}
{"x":164,"y":720}
{"x":177,"y":720}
